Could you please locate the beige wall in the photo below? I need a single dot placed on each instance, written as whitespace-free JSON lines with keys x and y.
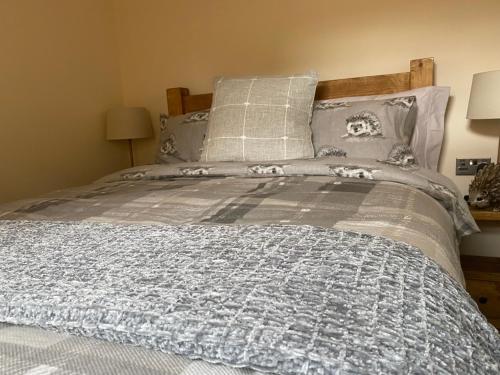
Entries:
{"x":59,"y":72}
{"x":171,"y":43}
{"x":64,"y":62}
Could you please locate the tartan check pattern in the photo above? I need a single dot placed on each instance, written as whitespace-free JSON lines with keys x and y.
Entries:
{"x":260,"y":118}
{"x":295,"y":192}
{"x":35,"y":351}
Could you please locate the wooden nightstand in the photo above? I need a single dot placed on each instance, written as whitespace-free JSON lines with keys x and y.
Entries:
{"x":482,"y":274}
{"x":485,"y":215}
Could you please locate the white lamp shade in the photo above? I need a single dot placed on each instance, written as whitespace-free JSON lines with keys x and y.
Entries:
{"x":128,"y":123}
{"x":484,"y":100}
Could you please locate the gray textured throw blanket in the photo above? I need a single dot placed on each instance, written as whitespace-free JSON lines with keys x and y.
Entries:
{"x":282,"y":299}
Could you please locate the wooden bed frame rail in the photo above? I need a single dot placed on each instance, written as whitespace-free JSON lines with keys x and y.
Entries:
{"x":421,"y":74}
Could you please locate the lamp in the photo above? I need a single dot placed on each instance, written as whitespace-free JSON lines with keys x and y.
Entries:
{"x":128,"y":123}
{"x":484,"y":100}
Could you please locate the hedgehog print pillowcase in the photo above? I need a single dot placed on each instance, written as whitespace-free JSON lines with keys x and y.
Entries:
{"x":181,"y":137}
{"x":376,"y":129}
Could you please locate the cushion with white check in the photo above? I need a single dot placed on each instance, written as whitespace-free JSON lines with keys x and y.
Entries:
{"x":261,"y":118}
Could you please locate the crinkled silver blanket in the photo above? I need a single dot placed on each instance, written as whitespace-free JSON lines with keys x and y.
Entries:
{"x":282,"y":299}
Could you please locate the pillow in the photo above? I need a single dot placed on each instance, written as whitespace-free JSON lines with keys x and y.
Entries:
{"x":428,"y":134}
{"x":261,"y":118}
{"x":181,"y":137}
{"x":374,"y":128}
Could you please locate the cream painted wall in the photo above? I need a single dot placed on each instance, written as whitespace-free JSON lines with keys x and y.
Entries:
{"x":64,"y":62}
{"x":168,"y":43}
{"x":59,"y":72}
{"x":60,"y":67}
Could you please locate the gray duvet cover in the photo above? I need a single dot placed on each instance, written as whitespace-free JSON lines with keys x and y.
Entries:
{"x":226,"y":284}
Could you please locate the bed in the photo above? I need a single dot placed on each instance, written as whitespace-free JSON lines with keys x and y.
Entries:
{"x":314,"y":266}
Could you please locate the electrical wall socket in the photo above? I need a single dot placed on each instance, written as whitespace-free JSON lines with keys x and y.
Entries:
{"x":468,"y":167}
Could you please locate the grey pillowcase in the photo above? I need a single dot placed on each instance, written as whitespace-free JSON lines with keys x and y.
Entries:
{"x":181,"y":137}
{"x":427,"y":138}
{"x":378,"y":129}
{"x":261,"y":118}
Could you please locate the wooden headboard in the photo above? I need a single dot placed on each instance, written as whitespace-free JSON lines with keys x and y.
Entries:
{"x":421,"y":74}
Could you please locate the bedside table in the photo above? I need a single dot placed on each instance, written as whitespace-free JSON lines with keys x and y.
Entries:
{"x":482,"y":274}
{"x":485,"y":215}
{"x":482,"y":278}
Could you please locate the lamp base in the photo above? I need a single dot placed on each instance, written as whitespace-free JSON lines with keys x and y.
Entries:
{"x":498,"y":155}
{"x":131,"y":151}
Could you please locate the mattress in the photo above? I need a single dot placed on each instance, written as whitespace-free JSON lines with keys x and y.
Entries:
{"x":362,"y":228}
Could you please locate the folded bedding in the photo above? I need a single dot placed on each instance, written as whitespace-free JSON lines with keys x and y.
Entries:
{"x":314,"y":266}
{"x":280,"y":299}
